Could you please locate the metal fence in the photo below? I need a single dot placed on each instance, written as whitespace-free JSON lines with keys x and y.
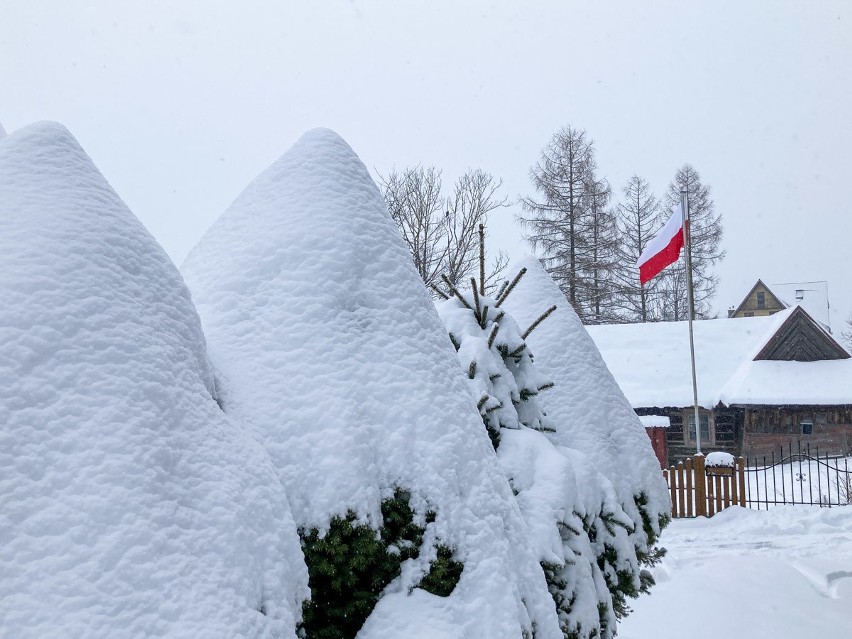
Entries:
{"x":798,"y":476}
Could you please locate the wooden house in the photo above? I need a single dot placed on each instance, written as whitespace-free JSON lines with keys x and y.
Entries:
{"x":763,"y":382}
{"x":759,"y":302}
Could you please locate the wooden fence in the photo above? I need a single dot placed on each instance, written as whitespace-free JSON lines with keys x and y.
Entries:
{"x":697,"y":490}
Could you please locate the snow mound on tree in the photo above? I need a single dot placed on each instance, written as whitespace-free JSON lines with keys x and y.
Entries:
{"x":130,"y":505}
{"x":329,"y":344}
{"x":589,"y":411}
{"x":558,"y":491}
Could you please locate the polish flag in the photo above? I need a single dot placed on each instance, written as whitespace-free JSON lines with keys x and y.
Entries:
{"x":663,"y":249}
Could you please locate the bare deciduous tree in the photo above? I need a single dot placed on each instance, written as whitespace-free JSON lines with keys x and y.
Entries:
{"x":415,"y":203}
{"x":442,"y":232}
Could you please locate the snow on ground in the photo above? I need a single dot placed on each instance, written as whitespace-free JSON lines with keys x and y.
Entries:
{"x":330,"y":347}
{"x":780,"y":574}
{"x":130,"y":506}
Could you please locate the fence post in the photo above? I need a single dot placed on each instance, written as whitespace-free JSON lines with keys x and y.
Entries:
{"x":718,"y":481}
{"x":673,"y":489}
{"x":711,"y":495}
{"x":727,"y":482}
{"x":741,"y":476}
{"x":735,"y":493}
{"x":689,"y":494}
{"x":700,"y":486}
{"x":680,"y":501}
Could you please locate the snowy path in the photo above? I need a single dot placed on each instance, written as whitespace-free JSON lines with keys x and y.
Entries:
{"x":784,"y":574}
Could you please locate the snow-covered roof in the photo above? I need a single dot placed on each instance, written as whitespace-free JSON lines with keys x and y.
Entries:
{"x":811,"y":296}
{"x":771,"y":382}
{"x":652,"y":364}
{"x":655,"y":421}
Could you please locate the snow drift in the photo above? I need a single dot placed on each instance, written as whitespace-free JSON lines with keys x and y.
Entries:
{"x":130,"y":505}
{"x":330,"y":347}
{"x":588,"y":409}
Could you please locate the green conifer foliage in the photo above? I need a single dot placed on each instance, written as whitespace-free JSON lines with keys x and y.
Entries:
{"x":444,"y":573}
{"x":353,"y":563}
{"x":557,"y":585}
{"x":496,"y":360}
{"x":653,"y":555}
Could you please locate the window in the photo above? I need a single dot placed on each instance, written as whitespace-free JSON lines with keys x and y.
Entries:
{"x":761,"y":299}
{"x":749,"y":314}
{"x":705,"y":418}
{"x":807,"y":428}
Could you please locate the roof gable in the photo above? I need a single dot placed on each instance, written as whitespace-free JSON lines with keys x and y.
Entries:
{"x":772,"y":300}
{"x":801,"y":339}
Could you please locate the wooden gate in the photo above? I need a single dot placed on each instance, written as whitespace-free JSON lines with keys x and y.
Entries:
{"x":697,"y":490}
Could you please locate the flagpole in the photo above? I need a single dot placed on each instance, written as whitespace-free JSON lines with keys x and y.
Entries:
{"x":687,"y":255}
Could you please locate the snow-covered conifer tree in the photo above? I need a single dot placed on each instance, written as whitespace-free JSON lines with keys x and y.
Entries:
{"x":131,"y":505}
{"x":492,"y":352}
{"x":590,"y":414}
{"x":329,"y":345}
{"x":575,"y":520}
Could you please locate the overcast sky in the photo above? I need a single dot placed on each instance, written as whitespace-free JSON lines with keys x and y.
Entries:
{"x":181,"y":104}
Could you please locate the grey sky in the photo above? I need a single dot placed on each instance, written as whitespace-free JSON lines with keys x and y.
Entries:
{"x":182,"y":103}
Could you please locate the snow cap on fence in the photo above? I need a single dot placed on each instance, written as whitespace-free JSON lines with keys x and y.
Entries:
{"x":720,"y":459}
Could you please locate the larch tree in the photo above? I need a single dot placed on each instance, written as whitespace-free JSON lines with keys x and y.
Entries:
{"x":705,"y":245}
{"x":601,"y":255}
{"x":639,"y":219}
{"x":566,"y":221}
{"x":441,"y":231}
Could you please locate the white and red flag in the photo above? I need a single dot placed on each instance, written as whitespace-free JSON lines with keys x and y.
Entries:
{"x":663,"y":249}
